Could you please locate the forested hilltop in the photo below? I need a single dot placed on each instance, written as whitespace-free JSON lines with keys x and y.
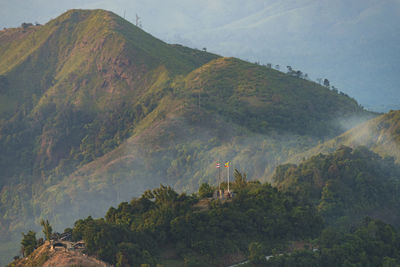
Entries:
{"x":94,"y":110}
{"x":331,"y":210}
{"x":165,"y":227}
{"x":346,"y":185}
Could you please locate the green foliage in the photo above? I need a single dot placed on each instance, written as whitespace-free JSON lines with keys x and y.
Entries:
{"x":346,"y":185}
{"x":256,"y":254}
{"x":80,"y":92}
{"x":138,"y":231}
{"x":205,"y":190}
{"x":61,"y":109}
{"x":240,"y":180}
{"x":28,"y":243}
{"x":373,"y":243}
{"x":302,"y":258}
{"x":47,"y":229}
{"x":265,"y":100}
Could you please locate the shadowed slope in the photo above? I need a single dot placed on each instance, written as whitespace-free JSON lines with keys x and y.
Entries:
{"x":380,"y":134}
{"x":96,"y":111}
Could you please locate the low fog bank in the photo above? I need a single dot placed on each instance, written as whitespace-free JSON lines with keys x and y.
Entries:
{"x":183,"y":158}
{"x":379,"y":134}
{"x":178,"y":152}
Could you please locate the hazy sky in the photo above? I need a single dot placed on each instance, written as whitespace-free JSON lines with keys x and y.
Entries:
{"x":353,"y":43}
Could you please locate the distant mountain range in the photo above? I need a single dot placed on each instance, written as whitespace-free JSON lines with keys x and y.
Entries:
{"x":94,"y":110}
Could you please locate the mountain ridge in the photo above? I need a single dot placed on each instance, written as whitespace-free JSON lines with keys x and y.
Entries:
{"x":380,"y":134}
{"x":79,"y":104}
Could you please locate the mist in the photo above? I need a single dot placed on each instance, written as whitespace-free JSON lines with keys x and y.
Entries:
{"x":335,"y":40}
{"x":377,"y":134}
{"x":183,"y":161}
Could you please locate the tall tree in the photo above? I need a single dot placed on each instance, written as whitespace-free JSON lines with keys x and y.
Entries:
{"x":47,"y":229}
{"x":326,"y":83}
{"x":256,"y":254}
{"x":205,"y":190}
{"x":240,"y":179}
{"x":28,"y":243}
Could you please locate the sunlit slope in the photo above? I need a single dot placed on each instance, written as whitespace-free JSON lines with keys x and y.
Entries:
{"x":63,"y":83}
{"x":96,"y":111}
{"x":57,"y":56}
{"x":380,"y":134}
{"x":263,"y":99}
{"x":225,"y":110}
{"x":71,"y":91}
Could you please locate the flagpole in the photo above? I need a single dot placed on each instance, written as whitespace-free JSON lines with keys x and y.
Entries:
{"x":228,"y":177}
{"x":219,"y":179}
{"x":218,"y":165}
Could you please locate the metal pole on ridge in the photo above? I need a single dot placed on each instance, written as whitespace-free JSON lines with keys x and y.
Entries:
{"x":227,"y":166}
{"x":218,"y":165}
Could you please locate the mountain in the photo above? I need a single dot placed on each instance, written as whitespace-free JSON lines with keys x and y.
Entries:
{"x":367,"y":154}
{"x":380,"y":134}
{"x":94,"y":111}
{"x":79,"y":69}
{"x":346,"y":185}
{"x":72,"y":90}
{"x":332,"y":39}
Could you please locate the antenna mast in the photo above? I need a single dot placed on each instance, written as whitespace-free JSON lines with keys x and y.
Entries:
{"x":138,"y":22}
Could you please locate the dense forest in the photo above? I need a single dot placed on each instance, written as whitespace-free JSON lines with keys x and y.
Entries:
{"x":346,"y":185}
{"x":337,"y":206}
{"x":93,"y":111}
{"x":371,"y":243}
{"x":196,"y":229}
{"x":163,"y":219}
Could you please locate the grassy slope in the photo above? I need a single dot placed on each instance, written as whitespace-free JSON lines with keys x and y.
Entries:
{"x":65,"y":84}
{"x":380,"y":134}
{"x":264,"y":99}
{"x":92,"y":95}
{"x":178,"y":143}
{"x":70,"y":74}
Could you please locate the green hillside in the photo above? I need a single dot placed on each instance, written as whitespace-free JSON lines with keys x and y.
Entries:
{"x":165,"y":227}
{"x":265,"y":100}
{"x":186,"y":140}
{"x":370,"y":243}
{"x":70,"y":79}
{"x":94,"y":110}
{"x":381,"y":135}
{"x":346,"y":185}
